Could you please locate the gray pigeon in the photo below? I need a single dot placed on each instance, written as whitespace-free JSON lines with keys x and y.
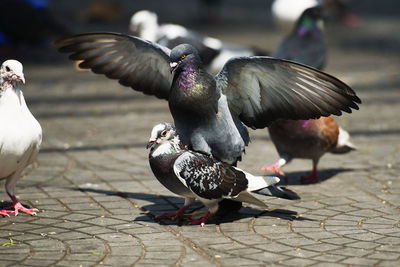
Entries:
{"x":20,"y":135}
{"x":210,"y":113}
{"x":306,"y":42}
{"x":196,"y":176}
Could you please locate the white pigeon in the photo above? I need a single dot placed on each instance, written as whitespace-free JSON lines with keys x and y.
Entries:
{"x":20,"y":132}
{"x":286,"y":12}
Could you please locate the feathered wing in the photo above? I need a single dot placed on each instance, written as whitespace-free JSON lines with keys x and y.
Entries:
{"x":263,"y":89}
{"x":137,"y":63}
{"x":209,"y":178}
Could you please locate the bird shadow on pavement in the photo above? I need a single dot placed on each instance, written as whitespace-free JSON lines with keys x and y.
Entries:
{"x":294,"y":178}
{"x":164,"y":203}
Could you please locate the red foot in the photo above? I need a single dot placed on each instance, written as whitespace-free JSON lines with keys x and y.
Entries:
{"x":201,"y":221}
{"x":5,"y":212}
{"x":273,"y":168}
{"x":175,"y":215}
{"x":313,"y":177}
{"x":18,"y":207}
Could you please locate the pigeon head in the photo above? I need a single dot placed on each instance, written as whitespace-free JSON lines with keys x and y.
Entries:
{"x":182,"y":54}
{"x":309,"y":20}
{"x":162,"y":132}
{"x":144,"y":24}
{"x":11,"y":71}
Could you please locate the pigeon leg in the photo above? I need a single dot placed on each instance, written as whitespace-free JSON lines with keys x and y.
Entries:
{"x":313,"y":177}
{"x":201,"y":221}
{"x":19,"y":207}
{"x":276,"y":167}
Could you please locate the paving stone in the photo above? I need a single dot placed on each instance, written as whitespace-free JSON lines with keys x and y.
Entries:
{"x":360,"y":261}
{"x":298,"y":262}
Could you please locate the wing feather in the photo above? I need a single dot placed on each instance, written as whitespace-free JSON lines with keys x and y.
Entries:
{"x":136,"y":63}
{"x":263,"y":89}
{"x":209,"y":178}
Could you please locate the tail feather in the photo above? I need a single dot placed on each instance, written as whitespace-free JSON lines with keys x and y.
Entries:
{"x":277,"y":191}
{"x":247,"y":197}
{"x":259,"y":182}
{"x":344,"y":145}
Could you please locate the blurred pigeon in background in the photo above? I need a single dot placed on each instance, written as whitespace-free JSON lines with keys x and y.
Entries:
{"x":20,"y":135}
{"x":213,"y":52}
{"x":288,"y":11}
{"x":195,"y":175}
{"x":308,"y":139}
{"x":305,"y":44}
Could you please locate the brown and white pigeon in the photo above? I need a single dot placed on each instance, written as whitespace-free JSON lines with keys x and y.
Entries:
{"x":194,"y":175}
{"x":20,"y":132}
{"x":309,"y":139}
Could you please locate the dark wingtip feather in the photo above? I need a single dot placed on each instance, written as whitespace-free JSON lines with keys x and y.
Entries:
{"x":277,"y":191}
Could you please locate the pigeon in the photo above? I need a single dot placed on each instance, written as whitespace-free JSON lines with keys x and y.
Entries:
{"x":308,"y":139}
{"x":286,"y":12}
{"x":20,"y":135}
{"x":306,"y":43}
{"x":211,"y":113}
{"x":290,"y":10}
{"x":213,"y":52}
{"x":195,"y":175}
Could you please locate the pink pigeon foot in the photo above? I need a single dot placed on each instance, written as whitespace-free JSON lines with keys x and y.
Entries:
{"x":5,"y":212}
{"x":175,"y":215}
{"x":201,"y":221}
{"x":19,"y":207}
{"x":313,"y":177}
{"x":273,"y":168}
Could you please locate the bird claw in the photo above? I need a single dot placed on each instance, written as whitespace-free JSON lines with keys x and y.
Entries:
{"x":5,"y":212}
{"x":19,"y":207}
{"x":273,"y":168}
{"x":201,"y":221}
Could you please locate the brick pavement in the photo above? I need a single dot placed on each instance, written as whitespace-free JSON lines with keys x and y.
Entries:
{"x":98,"y":198}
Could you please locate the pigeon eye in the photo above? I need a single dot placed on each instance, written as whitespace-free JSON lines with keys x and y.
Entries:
{"x":8,"y":69}
{"x":164,"y":133}
{"x":183,"y":56}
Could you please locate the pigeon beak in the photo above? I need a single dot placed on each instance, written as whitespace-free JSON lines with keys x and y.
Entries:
{"x":173,"y":66}
{"x":20,"y":77}
{"x":150,"y":143}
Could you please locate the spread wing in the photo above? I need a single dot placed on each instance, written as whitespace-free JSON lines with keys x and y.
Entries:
{"x":263,"y":89}
{"x":137,"y":63}
{"x":209,"y":178}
